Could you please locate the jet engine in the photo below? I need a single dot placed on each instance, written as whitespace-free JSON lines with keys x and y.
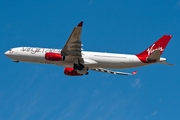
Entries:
{"x":71,"y":72}
{"x":53,"y":57}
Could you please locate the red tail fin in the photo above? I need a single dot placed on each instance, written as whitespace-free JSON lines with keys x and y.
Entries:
{"x":158,"y":45}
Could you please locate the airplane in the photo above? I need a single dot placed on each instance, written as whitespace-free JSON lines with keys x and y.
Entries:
{"x":77,"y":62}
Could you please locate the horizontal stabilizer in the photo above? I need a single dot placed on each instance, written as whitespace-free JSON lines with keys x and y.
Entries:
{"x":166,"y":63}
{"x":155,"y":55}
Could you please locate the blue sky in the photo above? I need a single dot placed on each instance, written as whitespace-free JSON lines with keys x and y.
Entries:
{"x":42,"y":92}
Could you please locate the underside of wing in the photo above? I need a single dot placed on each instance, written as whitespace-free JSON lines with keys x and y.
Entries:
{"x":112,"y":72}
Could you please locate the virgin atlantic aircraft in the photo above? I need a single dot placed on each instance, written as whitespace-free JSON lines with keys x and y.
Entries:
{"x":77,"y":62}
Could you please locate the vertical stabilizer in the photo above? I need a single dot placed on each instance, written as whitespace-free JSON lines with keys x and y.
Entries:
{"x":159,"y":45}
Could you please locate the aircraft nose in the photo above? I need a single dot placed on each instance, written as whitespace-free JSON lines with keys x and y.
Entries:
{"x":6,"y":53}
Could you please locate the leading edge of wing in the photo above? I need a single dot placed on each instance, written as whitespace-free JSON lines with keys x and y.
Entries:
{"x":112,"y":72}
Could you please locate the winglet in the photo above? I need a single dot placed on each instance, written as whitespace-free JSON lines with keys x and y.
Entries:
{"x":80,"y":24}
{"x":134,"y":73}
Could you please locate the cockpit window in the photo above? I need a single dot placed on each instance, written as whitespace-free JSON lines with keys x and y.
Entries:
{"x":10,"y":50}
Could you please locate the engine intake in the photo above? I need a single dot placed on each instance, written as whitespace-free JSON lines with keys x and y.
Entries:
{"x":53,"y":57}
{"x":71,"y":72}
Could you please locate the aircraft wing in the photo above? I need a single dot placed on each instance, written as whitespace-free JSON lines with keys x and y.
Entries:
{"x":72,"y":48}
{"x":112,"y":72}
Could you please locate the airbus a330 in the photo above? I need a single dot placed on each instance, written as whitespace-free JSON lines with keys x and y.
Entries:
{"x":78,"y":62}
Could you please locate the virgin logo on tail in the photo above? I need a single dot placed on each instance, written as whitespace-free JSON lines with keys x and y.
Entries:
{"x":150,"y":50}
{"x":158,"y":45}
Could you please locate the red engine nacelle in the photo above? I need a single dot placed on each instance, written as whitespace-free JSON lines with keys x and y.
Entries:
{"x":71,"y":72}
{"x":53,"y":56}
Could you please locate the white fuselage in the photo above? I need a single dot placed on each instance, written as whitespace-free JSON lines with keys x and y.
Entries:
{"x":91,"y":59}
